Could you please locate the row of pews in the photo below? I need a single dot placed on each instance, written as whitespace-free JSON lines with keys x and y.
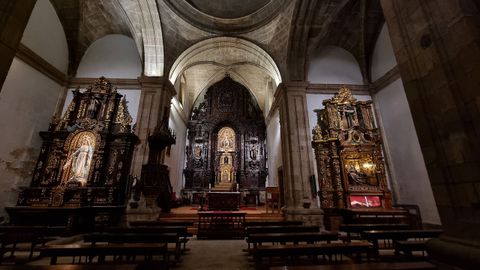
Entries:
{"x":354,"y":246}
{"x":146,"y":245}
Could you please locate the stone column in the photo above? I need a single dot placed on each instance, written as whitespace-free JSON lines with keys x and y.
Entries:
{"x":437,"y":47}
{"x":155,"y":99}
{"x":296,"y":147}
{"x":14,"y":17}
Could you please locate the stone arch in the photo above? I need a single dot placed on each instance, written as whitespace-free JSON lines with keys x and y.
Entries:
{"x":227,"y":52}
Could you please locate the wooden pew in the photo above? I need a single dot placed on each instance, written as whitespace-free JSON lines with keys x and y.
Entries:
{"x":101,"y":251}
{"x":273,"y":223}
{"x":119,"y":238}
{"x":358,"y":228}
{"x":395,"y":235}
{"x":281,"y":229}
{"x":182,"y":231}
{"x":328,"y":249}
{"x":295,"y":238}
{"x":363,"y":266}
{"x":278,"y":229}
{"x":161,"y":223}
{"x":11,"y":235}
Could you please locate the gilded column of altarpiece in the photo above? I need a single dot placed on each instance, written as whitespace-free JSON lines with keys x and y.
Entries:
{"x":85,"y":157}
{"x":348,"y":152}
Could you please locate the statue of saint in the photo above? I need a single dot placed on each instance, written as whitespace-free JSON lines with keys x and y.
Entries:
{"x":80,"y":160}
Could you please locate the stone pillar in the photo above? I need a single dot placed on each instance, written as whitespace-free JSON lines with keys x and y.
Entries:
{"x":296,"y":147}
{"x":156,"y":96}
{"x":14,"y":17}
{"x":437,"y":47}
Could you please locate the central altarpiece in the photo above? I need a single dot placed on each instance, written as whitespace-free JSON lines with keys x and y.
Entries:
{"x":84,"y":163}
{"x":226,"y":140}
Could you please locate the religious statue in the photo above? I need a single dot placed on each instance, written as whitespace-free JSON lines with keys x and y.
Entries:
{"x":253,"y":152}
{"x":80,"y":160}
{"x":93,"y":108}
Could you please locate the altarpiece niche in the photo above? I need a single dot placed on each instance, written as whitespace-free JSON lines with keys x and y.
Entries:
{"x":226,"y":140}
{"x":85,"y":157}
{"x":348,"y":152}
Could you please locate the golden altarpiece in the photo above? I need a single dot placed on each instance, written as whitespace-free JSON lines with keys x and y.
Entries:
{"x":84,"y":161}
{"x":348,"y":152}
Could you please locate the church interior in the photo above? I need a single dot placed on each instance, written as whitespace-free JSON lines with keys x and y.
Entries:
{"x":254,"y":134}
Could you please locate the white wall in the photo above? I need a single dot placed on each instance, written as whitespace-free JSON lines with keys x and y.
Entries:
{"x":45,"y":36}
{"x":176,"y":160}
{"x":410,"y":179}
{"x":383,"y":58}
{"x":274,"y":149}
{"x":112,"y":56}
{"x":333,"y":65}
{"x":28,"y":100}
{"x":408,"y":174}
{"x":27,"y":103}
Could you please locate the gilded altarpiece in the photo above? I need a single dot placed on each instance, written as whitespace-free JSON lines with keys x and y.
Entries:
{"x":85,"y":157}
{"x":348,"y":152}
{"x":226,"y":139}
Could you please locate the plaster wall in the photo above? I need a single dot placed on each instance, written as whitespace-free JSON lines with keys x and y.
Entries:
{"x":410,"y":182}
{"x":383,"y":58}
{"x":112,"y":56}
{"x":27,"y":103}
{"x":333,"y":65}
{"x":274,"y":149}
{"x":176,"y":159}
{"x":45,"y":36}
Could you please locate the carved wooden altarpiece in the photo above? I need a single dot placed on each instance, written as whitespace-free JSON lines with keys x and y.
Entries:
{"x":348,"y":152}
{"x":85,"y":157}
{"x":226,"y":140}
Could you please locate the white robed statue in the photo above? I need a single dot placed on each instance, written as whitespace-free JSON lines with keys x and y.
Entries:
{"x":80,"y":160}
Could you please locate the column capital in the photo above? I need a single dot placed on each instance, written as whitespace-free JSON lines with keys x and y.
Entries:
{"x":147,"y":82}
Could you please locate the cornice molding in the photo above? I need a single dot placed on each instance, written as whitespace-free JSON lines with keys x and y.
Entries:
{"x":357,"y":89}
{"x":41,"y":65}
{"x":388,"y":78}
{"x":126,"y":84}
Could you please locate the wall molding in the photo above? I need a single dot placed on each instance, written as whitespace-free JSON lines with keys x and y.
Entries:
{"x":388,"y":78}
{"x":41,"y":65}
{"x":124,"y":84}
{"x":317,"y":88}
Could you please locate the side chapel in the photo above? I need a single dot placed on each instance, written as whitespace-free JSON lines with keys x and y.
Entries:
{"x":84,"y":162}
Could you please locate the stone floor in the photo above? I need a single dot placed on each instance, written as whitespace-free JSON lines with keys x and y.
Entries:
{"x":215,"y":254}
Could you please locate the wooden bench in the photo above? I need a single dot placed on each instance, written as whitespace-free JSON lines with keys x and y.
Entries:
{"x":312,"y":250}
{"x":295,"y":238}
{"x":182,"y":231}
{"x":281,"y":229}
{"x":396,"y":235}
{"x":363,"y":266}
{"x":119,"y":238}
{"x":274,"y":223}
{"x":101,"y":251}
{"x":11,"y":236}
{"x":153,"y":223}
{"x":408,"y":246}
{"x":358,"y":228}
